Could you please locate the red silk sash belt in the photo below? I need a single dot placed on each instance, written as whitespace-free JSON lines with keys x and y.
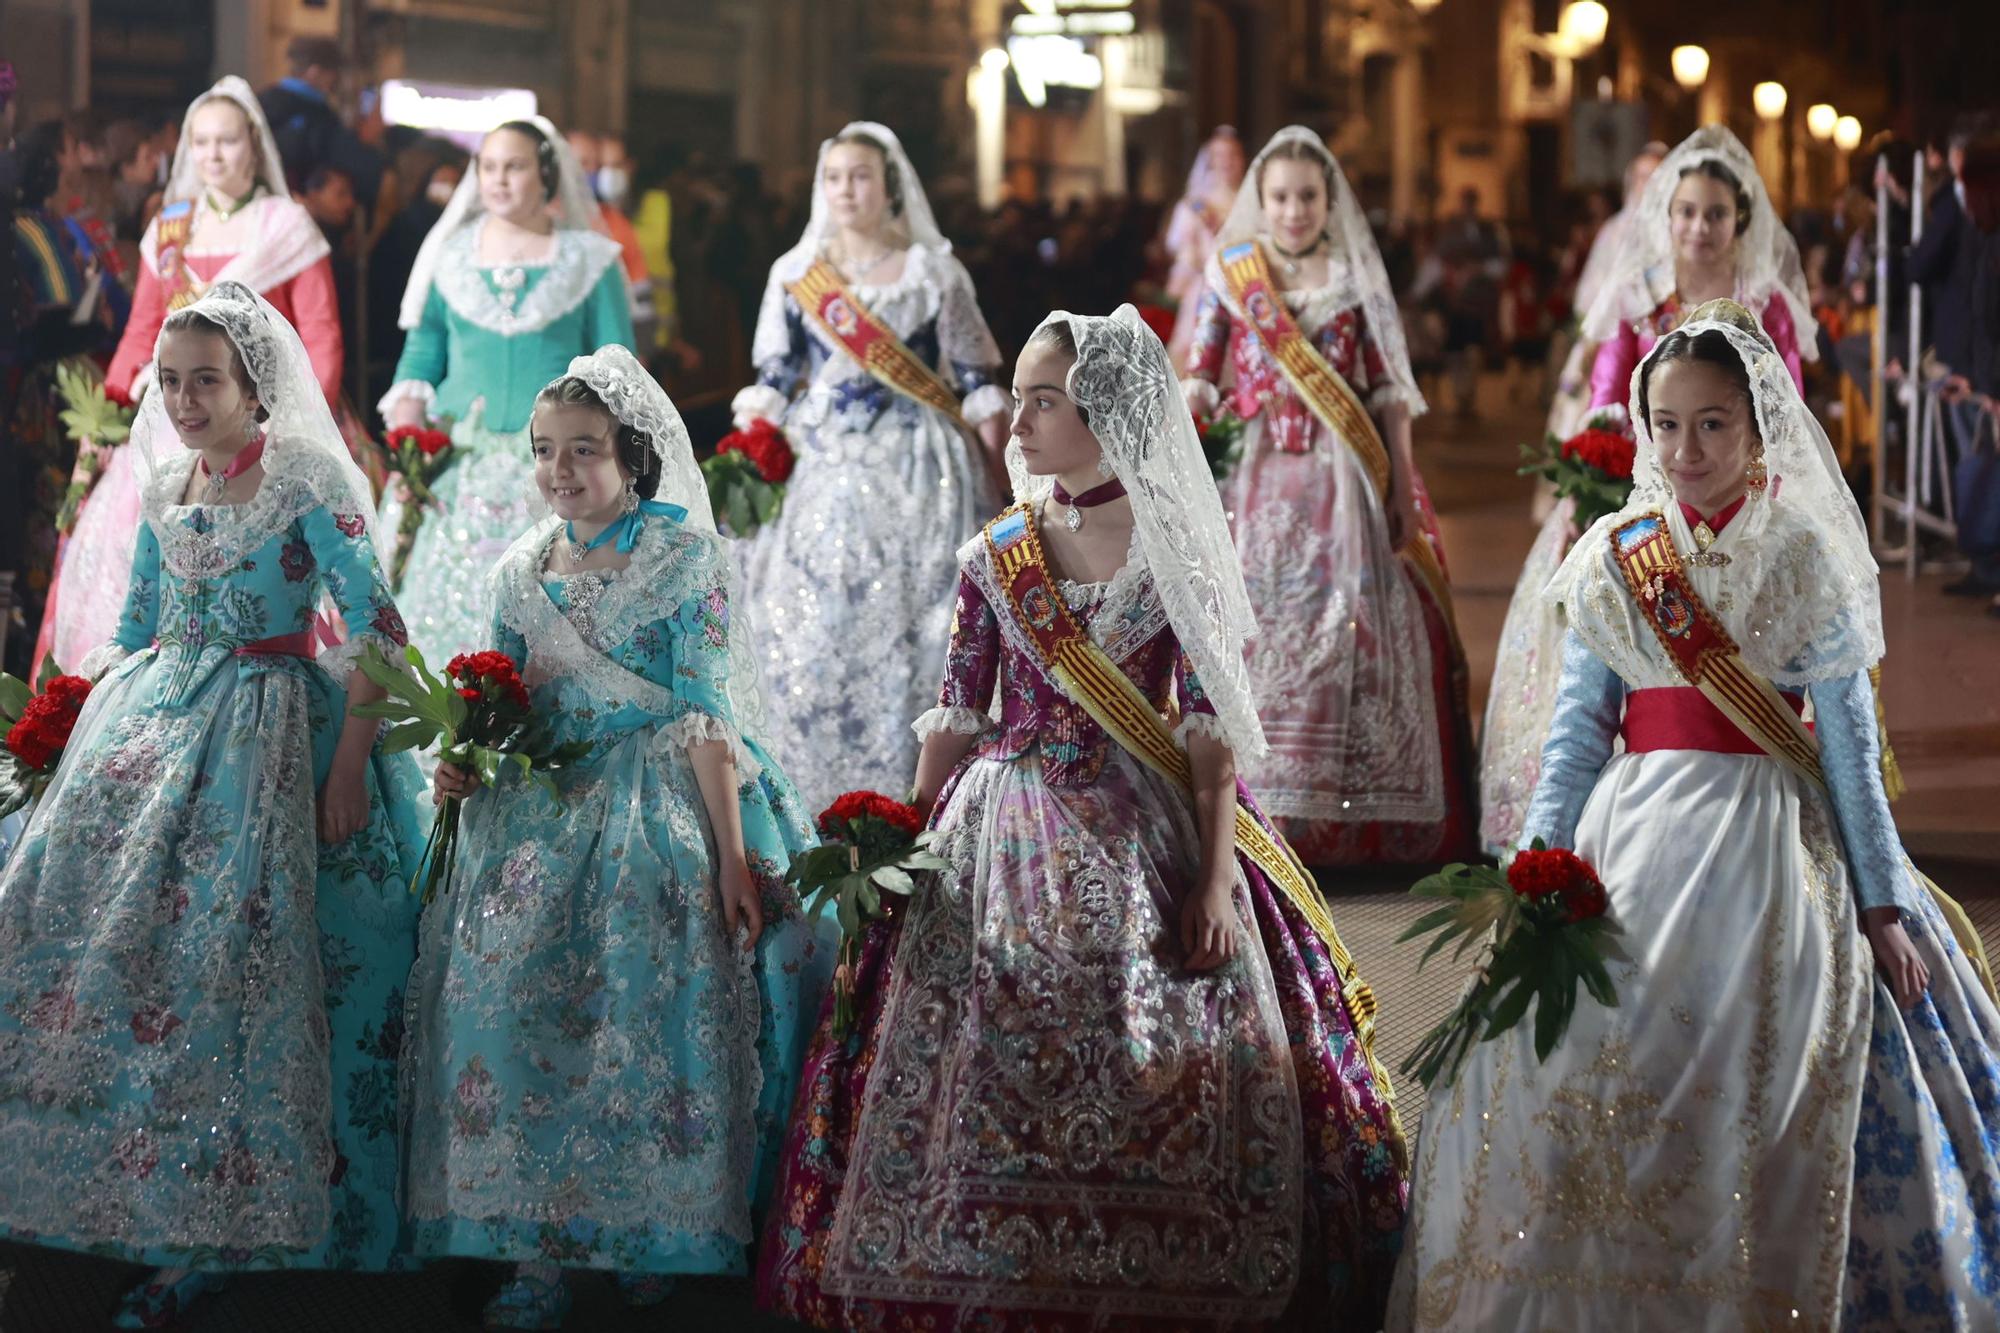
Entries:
{"x":1681,"y":717}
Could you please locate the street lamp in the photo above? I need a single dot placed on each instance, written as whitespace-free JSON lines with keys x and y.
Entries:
{"x":1847,"y":134}
{"x":1690,"y":67}
{"x":1820,"y":120}
{"x":1425,"y":6}
{"x":1769,"y":99}
{"x":1583,"y":24}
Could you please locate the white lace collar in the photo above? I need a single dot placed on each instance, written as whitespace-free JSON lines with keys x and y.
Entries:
{"x":295,"y":480}
{"x":508,"y":304}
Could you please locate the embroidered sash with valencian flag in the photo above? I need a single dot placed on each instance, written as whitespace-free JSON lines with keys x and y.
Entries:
{"x":1708,"y":659}
{"x":1331,"y":398}
{"x":171,"y":231}
{"x":873,"y":344}
{"x":1089,"y":676}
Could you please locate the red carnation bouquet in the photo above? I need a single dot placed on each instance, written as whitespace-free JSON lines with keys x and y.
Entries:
{"x":38,"y":721}
{"x":1549,"y":933}
{"x":480,"y":718}
{"x":1592,"y":468}
{"x":746,"y":477}
{"x":421,"y":455}
{"x":1221,"y":441}
{"x":873,"y":846}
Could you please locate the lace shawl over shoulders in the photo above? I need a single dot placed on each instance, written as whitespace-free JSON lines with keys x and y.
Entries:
{"x":573,"y":270}
{"x":297,"y":481}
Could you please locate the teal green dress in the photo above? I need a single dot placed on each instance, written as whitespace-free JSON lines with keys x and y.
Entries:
{"x":201,"y":1006}
{"x":598,"y":1074}
{"x":490,"y":338}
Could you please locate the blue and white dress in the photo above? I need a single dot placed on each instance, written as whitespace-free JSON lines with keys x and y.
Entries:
{"x":201,"y":1006}
{"x":598,"y":1073}
{"x":853,"y":581}
{"x":1757,"y":1136}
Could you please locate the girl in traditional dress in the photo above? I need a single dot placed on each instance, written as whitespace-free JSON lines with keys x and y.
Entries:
{"x":852,"y":582}
{"x":1113,"y":1068}
{"x":1777,"y":1126}
{"x":510,"y":284}
{"x":206,"y":929}
{"x":227,"y":216}
{"x":1357,"y":671}
{"x":1211,"y":188}
{"x":615,"y":988}
{"x":1703,"y":229}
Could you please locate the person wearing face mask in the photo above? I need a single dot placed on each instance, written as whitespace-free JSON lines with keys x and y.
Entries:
{"x":656,"y":1106}
{"x":1791,"y":1118}
{"x":510,"y":283}
{"x":227,"y":217}
{"x":1113,"y":1069}
{"x":1358,"y":670}
{"x":1703,"y":228}
{"x":602,"y":160}
{"x":206,"y":928}
{"x":873,"y":357}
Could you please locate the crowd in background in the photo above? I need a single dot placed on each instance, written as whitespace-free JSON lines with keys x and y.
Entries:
{"x":700,"y":234}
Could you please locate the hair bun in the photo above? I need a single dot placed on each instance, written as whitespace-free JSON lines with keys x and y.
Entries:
{"x":1734,"y":313}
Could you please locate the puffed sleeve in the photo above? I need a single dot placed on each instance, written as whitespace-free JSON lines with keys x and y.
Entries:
{"x":1611,"y":375}
{"x":699,"y":633}
{"x":1373,"y":382}
{"x":353,"y":578}
{"x":422,"y":366}
{"x":1198,"y":717}
{"x":607,"y":311}
{"x":139,"y":622}
{"x":1208,"y":350}
{"x":142,"y":330}
{"x":1589,"y":703}
{"x":1851,"y":755}
{"x":780,"y":354}
{"x":971,"y":667}
{"x":316,"y":315}
{"x":971,"y":356}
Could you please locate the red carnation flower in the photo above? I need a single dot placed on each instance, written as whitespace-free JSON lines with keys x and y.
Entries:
{"x":43,"y":728}
{"x":1555,"y":871}
{"x":1607,"y":451}
{"x":1581,"y":902}
{"x":433,"y":442}
{"x":861,"y":804}
{"x":766,"y":448}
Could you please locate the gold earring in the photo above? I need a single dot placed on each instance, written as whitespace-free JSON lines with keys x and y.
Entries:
{"x":1755,"y":475}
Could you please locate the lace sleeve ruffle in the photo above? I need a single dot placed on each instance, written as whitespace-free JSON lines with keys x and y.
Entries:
{"x":422,"y":390}
{"x":984,"y":402}
{"x":1201,"y":724}
{"x":691,"y":729}
{"x":101,"y":659}
{"x":1202,"y":396}
{"x":953,"y":720}
{"x":757,"y":401}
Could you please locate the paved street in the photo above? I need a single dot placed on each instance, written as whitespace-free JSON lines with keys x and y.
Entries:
{"x":1944,"y":712}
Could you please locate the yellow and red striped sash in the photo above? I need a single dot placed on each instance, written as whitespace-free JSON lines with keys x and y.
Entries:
{"x":171,"y":232}
{"x":1708,"y":659}
{"x":1087,"y":675}
{"x":873,"y":344}
{"x":1331,"y":398}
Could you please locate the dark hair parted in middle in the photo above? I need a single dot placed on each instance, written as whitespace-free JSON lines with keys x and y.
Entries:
{"x":1711,"y":347}
{"x":892,"y":179}
{"x":1716,"y":171}
{"x":1058,"y":334}
{"x":545,"y":153}
{"x":634,"y":447}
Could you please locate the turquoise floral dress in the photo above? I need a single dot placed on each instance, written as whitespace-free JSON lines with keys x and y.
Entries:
{"x":490,"y":337}
{"x":200,"y":1004}
{"x":598,"y":1074}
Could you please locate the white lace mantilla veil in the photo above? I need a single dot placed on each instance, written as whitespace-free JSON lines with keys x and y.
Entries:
{"x":302,"y":443}
{"x":634,"y":397}
{"x":575,"y":210}
{"x":1641,"y":274}
{"x":1355,"y":258}
{"x":184,"y":178}
{"x":1804,"y":600}
{"x":915,"y":224}
{"x":1124,"y":379}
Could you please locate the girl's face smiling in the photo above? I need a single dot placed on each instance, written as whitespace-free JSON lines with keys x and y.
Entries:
{"x":1294,"y":197}
{"x":204,"y":395}
{"x":576,"y":462}
{"x":1704,"y":429}
{"x":219,"y":138}
{"x":857,"y":186}
{"x":1701,"y":217}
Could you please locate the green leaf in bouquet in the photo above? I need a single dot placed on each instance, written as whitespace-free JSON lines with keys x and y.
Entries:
{"x":850,"y":915}
{"x":14,"y":696}
{"x":894,"y":879}
{"x":742,"y":519}
{"x":1557,"y":998}
{"x":408,"y":735}
{"x":920,"y":861}
{"x":1510,"y":1008}
{"x":869,"y":901}
{"x":49,"y":672}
